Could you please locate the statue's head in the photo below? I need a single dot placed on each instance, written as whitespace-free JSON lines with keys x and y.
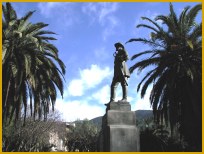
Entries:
{"x":118,"y":44}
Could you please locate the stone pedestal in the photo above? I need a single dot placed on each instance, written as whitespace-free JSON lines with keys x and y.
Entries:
{"x":119,"y":131}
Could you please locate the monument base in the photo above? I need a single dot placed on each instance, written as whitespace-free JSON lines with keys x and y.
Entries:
{"x":119,"y":131}
{"x":120,"y":105}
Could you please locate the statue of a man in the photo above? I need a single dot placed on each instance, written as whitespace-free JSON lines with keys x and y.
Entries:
{"x":121,"y":72}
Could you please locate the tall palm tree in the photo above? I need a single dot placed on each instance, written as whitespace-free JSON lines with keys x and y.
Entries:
{"x":30,"y":71}
{"x":176,"y":76}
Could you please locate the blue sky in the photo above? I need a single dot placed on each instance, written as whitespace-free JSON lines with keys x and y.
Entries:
{"x":86,"y":34}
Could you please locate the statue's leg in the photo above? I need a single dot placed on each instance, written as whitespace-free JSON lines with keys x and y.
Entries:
{"x":114,"y":86}
{"x":125,"y":90}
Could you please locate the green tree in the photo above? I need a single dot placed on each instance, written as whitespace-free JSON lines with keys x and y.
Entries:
{"x":175,"y":72}
{"x":30,"y":66}
{"x":83,"y":136}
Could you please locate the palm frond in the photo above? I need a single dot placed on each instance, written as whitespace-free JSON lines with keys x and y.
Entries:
{"x":44,"y":32}
{"x":174,"y":16}
{"x":147,"y":75}
{"x":145,"y":41}
{"x":62,"y":66}
{"x":182,"y":16}
{"x":145,"y":63}
{"x":192,"y":15}
{"x":147,"y":26}
{"x":141,"y":53}
{"x":33,"y":28}
{"x":27,"y":16}
{"x":46,"y":38}
{"x":196,"y":33}
{"x":153,"y":22}
{"x":10,"y":13}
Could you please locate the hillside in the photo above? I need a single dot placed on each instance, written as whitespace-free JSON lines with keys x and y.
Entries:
{"x":143,"y":114}
{"x":140,"y":115}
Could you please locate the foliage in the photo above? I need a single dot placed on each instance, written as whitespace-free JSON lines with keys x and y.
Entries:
{"x":82,"y":137}
{"x":29,"y":63}
{"x":175,"y":55}
{"x":32,"y":137}
{"x":142,"y":124}
{"x":157,"y":139}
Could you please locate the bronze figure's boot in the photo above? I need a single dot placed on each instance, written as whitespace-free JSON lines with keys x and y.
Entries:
{"x":112,"y":97}
{"x":113,"y":89}
{"x":124,"y":89}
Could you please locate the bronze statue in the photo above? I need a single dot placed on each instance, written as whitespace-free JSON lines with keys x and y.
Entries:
{"x":121,"y":72}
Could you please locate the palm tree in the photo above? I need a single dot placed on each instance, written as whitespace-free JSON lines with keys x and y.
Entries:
{"x":176,"y":76}
{"x":30,"y":71}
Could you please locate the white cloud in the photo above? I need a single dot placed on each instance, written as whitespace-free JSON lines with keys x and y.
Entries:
{"x":106,"y":10}
{"x":100,"y":11}
{"x":47,"y":8}
{"x":76,"y":88}
{"x":60,"y":11}
{"x":144,"y":104}
{"x":103,"y":13}
{"x":102,"y":95}
{"x":74,"y":110}
{"x":94,"y":76}
{"x":89,"y":78}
